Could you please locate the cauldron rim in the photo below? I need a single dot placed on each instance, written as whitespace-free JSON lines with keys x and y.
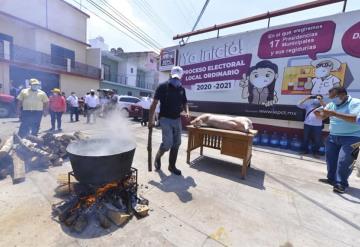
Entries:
{"x":131,"y":146}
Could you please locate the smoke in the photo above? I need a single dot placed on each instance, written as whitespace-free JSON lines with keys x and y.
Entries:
{"x":110,"y":135}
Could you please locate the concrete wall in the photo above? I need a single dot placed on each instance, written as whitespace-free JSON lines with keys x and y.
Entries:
{"x":4,"y":78}
{"x":80,"y":85}
{"x":23,"y":35}
{"x":59,"y":17}
{"x":93,"y":57}
{"x":44,"y":39}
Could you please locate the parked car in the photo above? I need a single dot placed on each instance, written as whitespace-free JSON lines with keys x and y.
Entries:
{"x":7,"y":105}
{"x":127,"y":104}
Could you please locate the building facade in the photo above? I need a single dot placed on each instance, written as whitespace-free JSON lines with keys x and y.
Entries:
{"x":130,"y":73}
{"x":46,"y":39}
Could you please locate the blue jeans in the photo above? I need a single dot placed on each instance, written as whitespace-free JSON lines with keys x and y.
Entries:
{"x":30,"y":121}
{"x":74,"y":111}
{"x":339,"y":159}
{"x":312,"y":133}
{"x":55,"y":117}
{"x":171,"y":133}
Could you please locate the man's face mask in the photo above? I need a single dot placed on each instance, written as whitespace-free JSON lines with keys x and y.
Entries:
{"x":322,"y":70}
{"x":34,"y":87}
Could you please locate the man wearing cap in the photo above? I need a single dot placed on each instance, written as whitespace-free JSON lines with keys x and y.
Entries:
{"x":34,"y":104}
{"x":92,"y":103}
{"x":324,"y":80}
{"x":339,"y":145}
{"x":57,"y":105}
{"x":173,"y":101}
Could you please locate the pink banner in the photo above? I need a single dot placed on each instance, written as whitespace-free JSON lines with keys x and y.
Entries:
{"x":351,"y":40}
{"x":307,"y":39}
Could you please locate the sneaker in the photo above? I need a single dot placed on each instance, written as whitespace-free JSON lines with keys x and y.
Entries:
{"x":60,"y":129}
{"x":326,"y":181}
{"x":339,"y":189}
{"x":175,"y":171}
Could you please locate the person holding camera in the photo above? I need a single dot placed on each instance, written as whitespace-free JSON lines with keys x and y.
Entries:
{"x":312,"y":125}
{"x":343,"y":135}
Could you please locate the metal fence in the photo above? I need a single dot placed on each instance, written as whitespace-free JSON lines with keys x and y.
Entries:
{"x":25,"y":55}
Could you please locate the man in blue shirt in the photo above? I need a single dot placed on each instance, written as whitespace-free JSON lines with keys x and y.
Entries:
{"x":312,"y":124}
{"x":342,"y":135}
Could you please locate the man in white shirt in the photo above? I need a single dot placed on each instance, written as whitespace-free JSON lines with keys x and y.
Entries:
{"x":92,"y":103}
{"x":73,"y":101}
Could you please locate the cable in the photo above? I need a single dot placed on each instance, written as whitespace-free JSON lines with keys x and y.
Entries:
{"x":151,"y":14}
{"x":130,"y":23}
{"x":117,"y":28}
{"x":199,"y":17}
{"x":180,"y":8}
{"x":150,"y":43}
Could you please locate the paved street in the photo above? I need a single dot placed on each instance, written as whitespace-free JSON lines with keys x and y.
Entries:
{"x":279,"y":204}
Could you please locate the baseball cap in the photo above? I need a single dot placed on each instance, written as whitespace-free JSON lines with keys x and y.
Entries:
{"x":176,"y":72}
{"x":34,"y":81}
{"x":92,"y":91}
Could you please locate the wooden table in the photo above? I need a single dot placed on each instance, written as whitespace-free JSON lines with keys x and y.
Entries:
{"x":233,"y":143}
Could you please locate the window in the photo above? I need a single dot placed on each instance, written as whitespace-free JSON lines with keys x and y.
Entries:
{"x":132,"y":70}
{"x":60,"y":54}
{"x":129,"y":99}
{"x":107,"y":73}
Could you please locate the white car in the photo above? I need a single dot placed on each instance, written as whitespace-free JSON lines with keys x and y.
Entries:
{"x":125,"y":102}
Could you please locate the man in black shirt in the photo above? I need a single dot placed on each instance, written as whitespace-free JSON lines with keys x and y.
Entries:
{"x":173,"y":101}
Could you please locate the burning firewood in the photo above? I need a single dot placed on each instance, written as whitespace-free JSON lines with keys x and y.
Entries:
{"x":103,"y":220}
{"x":80,"y":223}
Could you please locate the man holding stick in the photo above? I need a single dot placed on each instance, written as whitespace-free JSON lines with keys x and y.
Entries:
{"x":173,"y":101}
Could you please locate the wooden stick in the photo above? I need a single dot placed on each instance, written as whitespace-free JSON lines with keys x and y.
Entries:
{"x":6,"y":148}
{"x":19,"y":169}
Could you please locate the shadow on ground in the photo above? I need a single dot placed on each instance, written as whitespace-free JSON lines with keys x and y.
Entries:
{"x":175,"y":184}
{"x":231,"y":171}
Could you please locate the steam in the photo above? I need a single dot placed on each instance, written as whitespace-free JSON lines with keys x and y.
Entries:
{"x":112,"y":135}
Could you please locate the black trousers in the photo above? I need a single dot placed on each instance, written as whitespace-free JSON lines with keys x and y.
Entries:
{"x":55,"y":117}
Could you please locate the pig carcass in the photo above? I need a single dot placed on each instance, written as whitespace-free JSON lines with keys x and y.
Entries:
{"x":224,"y":122}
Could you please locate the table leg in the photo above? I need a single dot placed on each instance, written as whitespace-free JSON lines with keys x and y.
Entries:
{"x":188,"y":157}
{"x":244,"y":167}
{"x":201,"y":150}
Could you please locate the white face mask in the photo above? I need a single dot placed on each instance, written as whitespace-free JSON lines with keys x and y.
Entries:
{"x":321,"y":72}
{"x":261,"y":81}
{"x":34,"y":87}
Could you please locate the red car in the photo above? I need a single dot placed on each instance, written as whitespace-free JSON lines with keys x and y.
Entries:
{"x":7,"y":105}
{"x":135,"y":112}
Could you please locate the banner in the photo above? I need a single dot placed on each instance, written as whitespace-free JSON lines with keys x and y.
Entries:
{"x":265,"y":73}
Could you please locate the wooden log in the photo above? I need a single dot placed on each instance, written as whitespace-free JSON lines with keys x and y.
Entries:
{"x":118,"y":217}
{"x":62,"y":178}
{"x":103,"y":220}
{"x":58,"y":162}
{"x":6,"y":148}
{"x":80,"y":224}
{"x":19,"y":169}
{"x":35,"y":139}
{"x":80,"y":135}
{"x":30,"y":146}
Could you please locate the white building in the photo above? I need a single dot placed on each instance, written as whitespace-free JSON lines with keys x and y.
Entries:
{"x":130,"y":73}
{"x":46,"y":39}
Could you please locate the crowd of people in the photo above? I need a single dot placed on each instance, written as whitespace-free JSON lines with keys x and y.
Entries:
{"x":33,"y":103}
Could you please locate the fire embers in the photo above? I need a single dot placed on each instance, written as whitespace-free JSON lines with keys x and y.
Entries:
{"x":114,"y":203}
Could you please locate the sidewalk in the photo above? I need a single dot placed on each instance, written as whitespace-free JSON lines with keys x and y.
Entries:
{"x":279,"y":204}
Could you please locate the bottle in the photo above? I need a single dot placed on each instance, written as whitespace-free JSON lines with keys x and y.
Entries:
{"x":274,"y":140}
{"x":256,"y":139}
{"x":296,"y":144}
{"x":264,"y":138}
{"x":284,"y":142}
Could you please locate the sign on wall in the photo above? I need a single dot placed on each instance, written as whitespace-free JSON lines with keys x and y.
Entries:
{"x":168,"y":59}
{"x":264,"y":73}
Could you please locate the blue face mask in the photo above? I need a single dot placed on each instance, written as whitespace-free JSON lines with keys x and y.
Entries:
{"x":34,"y":87}
{"x":175,"y":82}
{"x":337,"y":101}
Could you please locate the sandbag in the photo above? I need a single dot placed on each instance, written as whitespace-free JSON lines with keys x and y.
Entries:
{"x":243,"y":124}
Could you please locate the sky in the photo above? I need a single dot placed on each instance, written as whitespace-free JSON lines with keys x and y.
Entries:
{"x":162,"y":19}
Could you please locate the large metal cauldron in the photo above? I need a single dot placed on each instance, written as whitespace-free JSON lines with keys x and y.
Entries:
{"x":93,"y":163}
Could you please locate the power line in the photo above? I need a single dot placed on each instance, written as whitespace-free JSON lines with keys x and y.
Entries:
{"x":151,"y":14}
{"x":129,"y":29}
{"x":199,"y":17}
{"x":130,"y":23}
{"x":117,"y":28}
{"x":180,"y":8}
